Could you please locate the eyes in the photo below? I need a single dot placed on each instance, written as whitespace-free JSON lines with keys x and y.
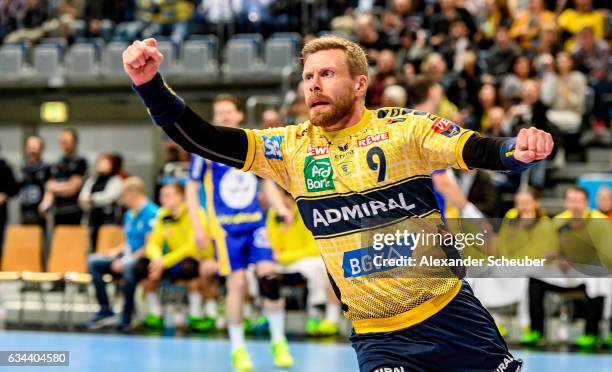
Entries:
{"x":324,"y":73}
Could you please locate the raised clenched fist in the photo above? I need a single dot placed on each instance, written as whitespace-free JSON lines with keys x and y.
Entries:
{"x":141,"y":60}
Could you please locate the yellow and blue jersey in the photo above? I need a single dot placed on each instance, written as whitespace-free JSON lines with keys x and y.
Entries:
{"x":373,"y":176}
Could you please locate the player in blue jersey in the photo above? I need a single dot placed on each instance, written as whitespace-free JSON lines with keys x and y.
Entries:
{"x":237,"y":225}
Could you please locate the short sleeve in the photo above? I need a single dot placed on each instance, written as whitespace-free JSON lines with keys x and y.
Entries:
{"x":197,"y":168}
{"x":268,"y":152}
{"x":439,"y":141}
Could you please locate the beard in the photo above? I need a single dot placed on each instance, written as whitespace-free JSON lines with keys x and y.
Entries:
{"x":336,"y":111}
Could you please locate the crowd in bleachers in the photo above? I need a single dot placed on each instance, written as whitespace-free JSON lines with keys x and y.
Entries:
{"x":495,"y":66}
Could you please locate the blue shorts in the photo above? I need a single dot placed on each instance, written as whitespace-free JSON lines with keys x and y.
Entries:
{"x":460,"y":337}
{"x":238,"y":250}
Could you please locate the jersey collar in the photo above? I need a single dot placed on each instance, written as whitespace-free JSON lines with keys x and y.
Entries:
{"x":365,"y":119}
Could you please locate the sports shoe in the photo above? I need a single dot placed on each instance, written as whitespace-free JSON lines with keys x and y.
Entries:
{"x":102,"y":319}
{"x":201,"y":324}
{"x":280,"y":351}
{"x":312,"y":327}
{"x":531,"y":338}
{"x":154,"y":322}
{"x":587,"y":341}
{"x":328,"y":328}
{"x":241,"y":360}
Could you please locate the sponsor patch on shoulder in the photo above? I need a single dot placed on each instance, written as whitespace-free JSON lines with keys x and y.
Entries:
{"x":272,"y":147}
{"x":445,"y":127}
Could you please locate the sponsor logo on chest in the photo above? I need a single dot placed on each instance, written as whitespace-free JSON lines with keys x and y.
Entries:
{"x":371,"y":139}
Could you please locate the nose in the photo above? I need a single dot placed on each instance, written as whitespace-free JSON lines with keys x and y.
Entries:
{"x":315,"y":84}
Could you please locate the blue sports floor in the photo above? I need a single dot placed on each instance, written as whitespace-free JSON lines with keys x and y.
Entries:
{"x":115,"y":353}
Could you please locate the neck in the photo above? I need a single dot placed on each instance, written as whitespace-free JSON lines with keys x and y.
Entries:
{"x":140,"y":203}
{"x":426,"y":106}
{"x":176,"y":211}
{"x":349,"y":120}
{"x":33,"y":160}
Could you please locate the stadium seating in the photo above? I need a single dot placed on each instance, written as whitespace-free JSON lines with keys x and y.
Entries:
{"x":112,"y":64}
{"x":198,"y":58}
{"x":12,"y":61}
{"x":21,"y":252}
{"x":47,"y":60}
{"x":109,"y":237}
{"x":82,"y":61}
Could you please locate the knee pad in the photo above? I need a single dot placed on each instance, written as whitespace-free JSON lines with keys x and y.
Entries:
{"x":269,"y":286}
{"x":141,"y":268}
{"x":189,"y":267}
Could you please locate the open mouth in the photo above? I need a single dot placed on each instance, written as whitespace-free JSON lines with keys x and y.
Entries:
{"x":318,"y":104}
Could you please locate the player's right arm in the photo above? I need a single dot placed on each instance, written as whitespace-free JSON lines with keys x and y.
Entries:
{"x":231,"y":146}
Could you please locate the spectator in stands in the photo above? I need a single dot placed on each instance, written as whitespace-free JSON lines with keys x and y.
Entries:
{"x":132,"y":27}
{"x":23,"y":20}
{"x":98,"y":12}
{"x":210,"y":15}
{"x":296,"y":251}
{"x":593,"y":58}
{"x":604,"y":200}
{"x":295,"y":109}
{"x":456,"y":44}
{"x":487,"y":99}
{"x":501,"y":55}
{"x":442,"y":19}
{"x":428,"y":96}
{"x":435,"y":67}
{"x":573,"y":20}
{"x":67,"y":176}
{"x":464,"y":90}
{"x":171,"y":253}
{"x":34,"y":175}
{"x":412,"y":18}
{"x":497,"y":119}
{"x":527,"y":24}
{"x":511,"y":84}
{"x":369,"y":37}
{"x":8,"y":189}
{"x":270,"y":119}
{"x":563,"y":91}
{"x":170,"y":18}
{"x":394,"y":96}
{"x":495,"y":15}
{"x":385,"y":76}
{"x":548,"y":43}
{"x":100,"y":196}
{"x":119,"y":262}
{"x":414,"y":48}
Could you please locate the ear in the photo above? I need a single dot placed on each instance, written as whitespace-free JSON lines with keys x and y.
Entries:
{"x":361,"y":85}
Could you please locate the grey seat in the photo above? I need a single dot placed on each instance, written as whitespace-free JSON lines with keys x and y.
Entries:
{"x":47,"y":60}
{"x":12,"y":61}
{"x":197,"y":58}
{"x":81,"y":61}
{"x":167,"y":48}
{"x":112,"y":58}
{"x":242,"y":57}
{"x":280,"y":53}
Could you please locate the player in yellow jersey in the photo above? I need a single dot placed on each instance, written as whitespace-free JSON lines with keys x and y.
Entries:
{"x":355,"y":171}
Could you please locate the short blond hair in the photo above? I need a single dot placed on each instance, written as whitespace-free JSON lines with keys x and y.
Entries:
{"x":355,"y":56}
{"x":135,"y":185}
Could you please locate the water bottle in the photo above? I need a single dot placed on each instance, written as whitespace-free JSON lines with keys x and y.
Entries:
{"x":169,"y":320}
{"x":564,"y":325}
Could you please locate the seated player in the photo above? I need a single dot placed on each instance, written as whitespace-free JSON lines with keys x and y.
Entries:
{"x":354,"y":171}
{"x":119,"y":262}
{"x":296,"y":251}
{"x":237,"y":227}
{"x":171,"y":253}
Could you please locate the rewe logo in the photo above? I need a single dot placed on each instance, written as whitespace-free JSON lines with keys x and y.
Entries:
{"x":373,"y":139}
{"x":318,"y":150}
{"x":318,"y":174}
